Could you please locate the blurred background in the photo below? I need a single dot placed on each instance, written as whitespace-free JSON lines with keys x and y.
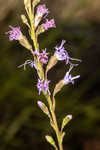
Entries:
{"x":22,"y":124}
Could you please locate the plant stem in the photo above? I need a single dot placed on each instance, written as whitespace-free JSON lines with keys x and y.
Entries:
{"x":58,"y":133}
{"x":36,"y":45}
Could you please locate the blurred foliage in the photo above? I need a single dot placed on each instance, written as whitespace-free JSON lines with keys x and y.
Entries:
{"x":22,"y":124}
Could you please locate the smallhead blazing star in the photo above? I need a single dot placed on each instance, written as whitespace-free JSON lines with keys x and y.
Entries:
{"x":61,"y":53}
{"x":42,"y":10}
{"x":36,"y":19}
{"x":14,"y":33}
{"x":42,"y":57}
{"x":49,"y":24}
{"x":43,"y":86}
{"x":68,"y":77}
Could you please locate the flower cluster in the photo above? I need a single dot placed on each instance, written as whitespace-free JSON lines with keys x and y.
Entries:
{"x":62,"y":54}
{"x":41,"y":11}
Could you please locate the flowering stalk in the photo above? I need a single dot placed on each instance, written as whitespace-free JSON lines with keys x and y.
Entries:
{"x":40,"y":59}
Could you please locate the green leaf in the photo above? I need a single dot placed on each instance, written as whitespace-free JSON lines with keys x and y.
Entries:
{"x":51,"y":141}
{"x":65,"y":121}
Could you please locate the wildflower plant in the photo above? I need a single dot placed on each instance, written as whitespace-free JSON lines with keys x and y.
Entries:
{"x":36,"y":13}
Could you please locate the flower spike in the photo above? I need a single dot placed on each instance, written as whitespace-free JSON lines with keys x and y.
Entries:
{"x":35,"y":14}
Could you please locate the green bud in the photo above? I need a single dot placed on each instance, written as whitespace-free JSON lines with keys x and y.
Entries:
{"x":43,"y":108}
{"x":65,"y":121}
{"x":58,"y":87}
{"x":27,"y":3}
{"x":24,"y":19}
{"x":51,"y":141}
{"x":24,"y":42}
{"x":52,"y":62}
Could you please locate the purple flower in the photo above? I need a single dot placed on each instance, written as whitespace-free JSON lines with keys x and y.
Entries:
{"x":43,"y":86}
{"x":49,"y":24}
{"x":62,"y":54}
{"x":15,"y":33}
{"x":42,"y":10}
{"x":61,"y":46}
{"x":28,"y":62}
{"x":42,"y":56}
{"x":69,"y":116}
{"x":68,"y":77}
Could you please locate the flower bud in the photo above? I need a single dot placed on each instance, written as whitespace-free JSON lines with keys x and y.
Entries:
{"x":43,"y":108}
{"x":65,"y":121}
{"x":51,"y":141}
{"x":24,"y":42}
{"x":58,"y":87}
{"x":27,"y":3}
{"x":52,"y":62}
{"x":24,"y":19}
